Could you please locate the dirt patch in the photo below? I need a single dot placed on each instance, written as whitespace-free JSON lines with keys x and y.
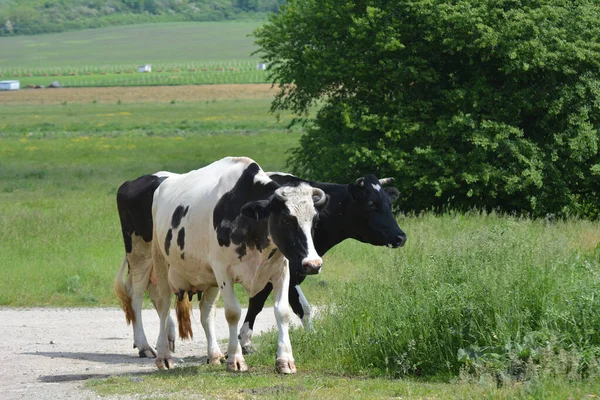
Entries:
{"x":50,"y":353}
{"x":138,"y":94}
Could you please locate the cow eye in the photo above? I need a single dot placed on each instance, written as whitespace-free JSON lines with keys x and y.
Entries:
{"x":370,"y":205}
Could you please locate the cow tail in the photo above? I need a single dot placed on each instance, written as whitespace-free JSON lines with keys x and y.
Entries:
{"x":183,"y":310}
{"x":123,"y":293}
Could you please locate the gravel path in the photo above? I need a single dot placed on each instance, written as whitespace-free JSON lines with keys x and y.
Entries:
{"x":48,"y":353}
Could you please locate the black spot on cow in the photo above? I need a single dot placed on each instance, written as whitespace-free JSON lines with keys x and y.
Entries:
{"x":231,"y":226}
{"x":168,"y":239}
{"x":178,"y":215}
{"x":241,"y":251}
{"x":224,"y":284}
{"x":181,"y":238}
{"x":134,"y":202}
{"x":183,"y":256}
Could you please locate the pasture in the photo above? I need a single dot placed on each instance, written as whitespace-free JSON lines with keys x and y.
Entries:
{"x":180,"y":53}
{"x":475,"y":305}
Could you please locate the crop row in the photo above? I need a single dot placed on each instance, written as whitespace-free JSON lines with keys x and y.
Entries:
{"x":90,"y":70}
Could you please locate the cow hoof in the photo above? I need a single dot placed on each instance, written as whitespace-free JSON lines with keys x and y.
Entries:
{"x":284,"y":366}
{"x":237,"y":365}
{"x":165,"y":363}
{"x":172,"y":345}
{"x":216,"y":360}
{"x":147,"y":353}
{"x":247,"y":349}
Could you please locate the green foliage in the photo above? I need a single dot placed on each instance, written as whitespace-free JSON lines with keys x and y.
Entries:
{"x":511,"y":298}
{"x":45,"y":16}
{"x":488,"y":104}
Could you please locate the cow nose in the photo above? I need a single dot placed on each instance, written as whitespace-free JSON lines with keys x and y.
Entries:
{"x":400,"y":240}
{"x":312,"y":267}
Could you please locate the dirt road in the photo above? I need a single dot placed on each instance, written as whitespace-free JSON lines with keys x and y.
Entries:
{"x":49,"y":353}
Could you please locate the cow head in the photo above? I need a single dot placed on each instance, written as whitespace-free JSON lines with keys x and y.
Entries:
{"x":371,"y":209}
{"x":292,"y":213}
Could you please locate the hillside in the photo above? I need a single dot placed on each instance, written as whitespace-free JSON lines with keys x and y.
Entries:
{"x":46,"y":16}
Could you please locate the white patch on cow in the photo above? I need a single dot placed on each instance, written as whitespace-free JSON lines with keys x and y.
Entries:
{"x":278,"y":173}
{"x":300,"y":204}
{"x":245,"y":335}
{"x":376,"y":186}
{"x":306,"y":319}
{"x":262,"y":178}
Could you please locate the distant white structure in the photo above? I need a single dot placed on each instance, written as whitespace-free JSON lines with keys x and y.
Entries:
{"x":261,"y":66}
{"x":9,"y":85}
{"x":145,"y":68}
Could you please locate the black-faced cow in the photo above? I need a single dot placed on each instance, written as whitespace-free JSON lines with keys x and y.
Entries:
{"x":360,"y":211}
{"x":230,"y":223}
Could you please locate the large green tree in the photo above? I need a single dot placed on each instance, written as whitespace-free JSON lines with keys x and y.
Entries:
{"x":469,"y":103}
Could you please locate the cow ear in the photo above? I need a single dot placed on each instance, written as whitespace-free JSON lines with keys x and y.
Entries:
{"x":324,"y":205}
{"x":257,"y":209}
{"x":393,"y":193}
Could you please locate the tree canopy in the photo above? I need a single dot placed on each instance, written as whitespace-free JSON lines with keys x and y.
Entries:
{"x":490,"y":104}
{"x":43,"y":16}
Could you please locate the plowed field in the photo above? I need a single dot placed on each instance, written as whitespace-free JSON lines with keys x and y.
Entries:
{"x":142,"y":94}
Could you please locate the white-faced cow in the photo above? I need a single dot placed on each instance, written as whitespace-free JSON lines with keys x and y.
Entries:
{"x":230,"y":223}
{"x":360,"y":211}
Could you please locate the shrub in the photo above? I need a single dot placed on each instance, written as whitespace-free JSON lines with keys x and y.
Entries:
{"x":488,"y":104}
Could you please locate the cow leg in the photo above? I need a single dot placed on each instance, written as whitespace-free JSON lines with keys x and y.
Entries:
{"x":140,"y":267}
{"x":233,"y":312}
{"x":163,"y":303}
{"x":254,"y":308}
{"x":305,"y":312}
{"x":208,"y":311}
{"x":171,"y":331}
{"x":284,"y":362}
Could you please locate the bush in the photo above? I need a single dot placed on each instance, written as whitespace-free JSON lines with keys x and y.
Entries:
{"x":488,"y":104}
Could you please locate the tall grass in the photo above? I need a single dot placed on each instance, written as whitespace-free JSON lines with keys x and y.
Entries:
{"x":479,"y":293}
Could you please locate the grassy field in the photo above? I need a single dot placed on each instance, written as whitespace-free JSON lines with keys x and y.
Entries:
{"x":475,"y":306}
{"x":180,"y":53}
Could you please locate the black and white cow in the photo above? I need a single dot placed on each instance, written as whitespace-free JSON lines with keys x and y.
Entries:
{"x":230,"y":223}
{"x":360,"y":211}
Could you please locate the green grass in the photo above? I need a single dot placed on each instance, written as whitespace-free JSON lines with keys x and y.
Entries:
{"x":122,"y":47}
{"x":59,"y":230}
{"x":214,"y":383}
{"x":145,"y":119}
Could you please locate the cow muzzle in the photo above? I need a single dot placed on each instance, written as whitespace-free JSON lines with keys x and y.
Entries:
{"x":398,"y":242}
{"x":311,"y":266}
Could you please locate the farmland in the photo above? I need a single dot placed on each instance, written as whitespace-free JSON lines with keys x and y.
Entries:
{"x":180,"y":53}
